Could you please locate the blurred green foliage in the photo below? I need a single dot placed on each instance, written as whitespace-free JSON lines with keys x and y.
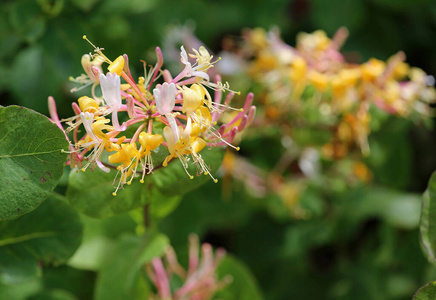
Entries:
{"x":359,"y":244}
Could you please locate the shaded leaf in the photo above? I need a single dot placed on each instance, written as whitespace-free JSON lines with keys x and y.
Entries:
{"x":79,"y":283}
{"x":31,"y":161}
{"x":49,"y":234}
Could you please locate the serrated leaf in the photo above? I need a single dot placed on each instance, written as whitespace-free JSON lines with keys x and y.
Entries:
{"x":120,"y":279}
{"x":428,"y":219}
{"x":49,"y":234}
{"x":427,"y":292}
{"x":243,"y":285}
{"x":31,"y":161}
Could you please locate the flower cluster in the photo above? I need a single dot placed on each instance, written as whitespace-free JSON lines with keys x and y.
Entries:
{"x":320,"y":107}
{"x":178,"y":114}
{"x":199,"y":281}
{"x":343,"y":91}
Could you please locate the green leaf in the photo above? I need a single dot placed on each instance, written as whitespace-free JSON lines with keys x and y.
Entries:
{"x":427,"y":292}
{"x":90,"y":193}
{"x":49,"y":234}
{"x":396,"y":208}
{"x":173,"y":180}
{"x":243,"y":285}
{"x":428,"y":219}
{"x":76,"y":282}
{"x":53,"y":295}
{"x":121,"y":279}
{"x":20,"y":291}
{"x":100,"y":238}
{"x":27,"y":20}
{"x":31,"y":161}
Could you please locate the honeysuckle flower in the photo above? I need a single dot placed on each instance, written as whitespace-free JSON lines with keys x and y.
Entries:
{"x":185,"y":109}
{"x":96,"y":138}
{"x":165,"y":97}
{"x":110,"y":87}
{"x":199,"y":279}
{"x":190,"y":70}
{"x":88,"y":64}
{"x":148,"y":142}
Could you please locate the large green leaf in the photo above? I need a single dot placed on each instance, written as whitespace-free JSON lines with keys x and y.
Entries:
{"x":427,"y":292}
{"x":100,"y":237}
{"x":53,"y":295}
{"x":428,"y":219}
{"x":173,"y":180}
{"x":90,"y":193}
{"x":49,"y":234}
{"x":21,"y":291}
{"x":31,"y":160}
{"x":121,"y":279}
{"x":243,"y":285}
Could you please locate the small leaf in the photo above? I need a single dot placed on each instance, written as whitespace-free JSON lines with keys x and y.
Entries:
{"x":49,"y":234}
{"x":243,"y":285}
{"x":121,"y":279}
{"x":31,"y":160}
{"x":427,"y":292}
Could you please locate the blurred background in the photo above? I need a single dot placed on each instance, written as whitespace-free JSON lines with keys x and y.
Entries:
{"x":355,"y":243}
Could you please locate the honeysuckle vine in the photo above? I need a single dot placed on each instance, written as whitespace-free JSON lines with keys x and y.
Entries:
{"x":183,"y":105}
